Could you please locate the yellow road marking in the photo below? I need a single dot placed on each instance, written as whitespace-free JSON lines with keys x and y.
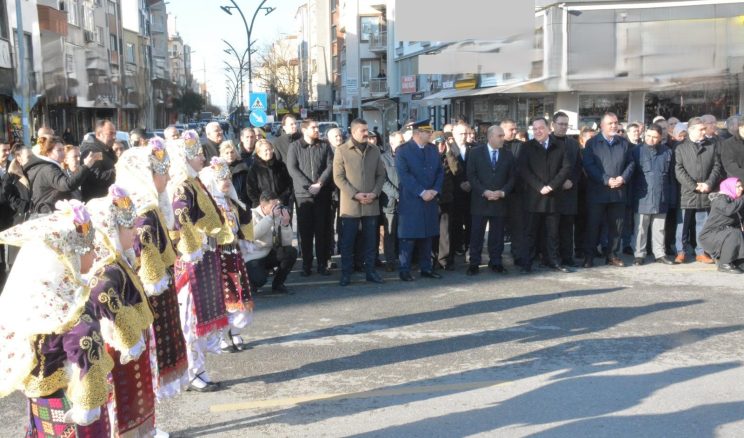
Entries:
{"x":412,"y":390}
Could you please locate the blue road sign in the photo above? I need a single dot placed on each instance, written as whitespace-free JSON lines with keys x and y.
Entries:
{"x":257,"y":118}
{"x":258,"y":101}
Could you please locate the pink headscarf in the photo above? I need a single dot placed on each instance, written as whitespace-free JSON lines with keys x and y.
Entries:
{"x":728,"y":187}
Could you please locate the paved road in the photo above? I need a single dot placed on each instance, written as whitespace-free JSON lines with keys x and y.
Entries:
{"x":634,"y":352}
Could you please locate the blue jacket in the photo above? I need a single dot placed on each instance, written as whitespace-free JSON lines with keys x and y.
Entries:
{"x":418,"y":170}
{"x":652,"y":179}
{"x":603,"y":161}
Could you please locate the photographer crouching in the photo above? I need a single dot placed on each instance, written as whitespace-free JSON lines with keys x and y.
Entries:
{"x":272,"y":238}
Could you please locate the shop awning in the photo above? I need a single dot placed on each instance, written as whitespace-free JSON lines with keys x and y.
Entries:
{"x":439,"y":97}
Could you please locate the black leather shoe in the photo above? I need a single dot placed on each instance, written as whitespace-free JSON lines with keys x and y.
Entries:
{"x":570,"y":263}
{"x":345,"y":280}
{"x":560,"y":268}
{"x":628,"y":250}
{"x":306,"y":272}
{"x":665,"y":260}
{"x":281,"y":289}
{"x":374,"y":277}
{"x":638,"y":261}
{"x":324,"y":271}
{"x":526,"y":269}
{"x":430,"y":274}
{"x":472,"y":270}
{"x":729,"y":269}
{"x":406,"y":276}
{"x":499,"y":269}
{"x":588,"y":263}
{"x":615,"y":261}
{"x":449,"y":267}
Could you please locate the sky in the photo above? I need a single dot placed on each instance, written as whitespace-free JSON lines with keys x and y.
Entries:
{"x":203,"y":26}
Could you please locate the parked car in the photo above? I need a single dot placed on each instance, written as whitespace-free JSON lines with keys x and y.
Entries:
{"x":324,"y":127}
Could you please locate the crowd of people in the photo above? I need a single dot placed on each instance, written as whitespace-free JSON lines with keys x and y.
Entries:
{"x":129,"y":265}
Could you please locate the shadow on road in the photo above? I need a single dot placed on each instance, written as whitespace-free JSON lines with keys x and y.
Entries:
{"x":467,"y":309}
{"x":574,"y":394}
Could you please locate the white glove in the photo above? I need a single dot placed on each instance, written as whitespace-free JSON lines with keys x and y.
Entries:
{"x":82,"y":417}
{"x":133,"y":353}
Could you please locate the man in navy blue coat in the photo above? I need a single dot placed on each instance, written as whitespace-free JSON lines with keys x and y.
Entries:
{"x":609,"y":167}
{"x":420,"y":174}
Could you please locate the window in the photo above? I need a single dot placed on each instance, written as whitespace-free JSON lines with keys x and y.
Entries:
{"x":3,"y":20}
{"x":69,"y":63}
{"x":111,"y":8}
{"x":370,"y":70}
{"x":334,"y":4}
{"x":113,"y":43}
{"x":89,"y":21}
{"x":334,"y":64}
{"x":334,"y":34}
{"x":72,"y":9}
{"x":368,"y":26}
{"x":99,"y":35}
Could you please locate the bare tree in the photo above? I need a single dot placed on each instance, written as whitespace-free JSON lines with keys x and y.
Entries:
{"x":278,"y":72}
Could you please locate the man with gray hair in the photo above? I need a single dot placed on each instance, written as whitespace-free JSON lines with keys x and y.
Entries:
{"x":389,"y":201}
{"x":171,"y":133}
{"x":732,"y":127}
{"x":698,"y":170}
{"x":215,"y":137}
{"x":711,"y":129}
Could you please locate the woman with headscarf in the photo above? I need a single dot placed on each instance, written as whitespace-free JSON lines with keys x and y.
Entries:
{"x":235,"y":285}
{"x":197,"y":230}
{"x":50,"y":335}
{"x":125,"y":314}
{"x":723,"y":233}
{"x":143,"y":173}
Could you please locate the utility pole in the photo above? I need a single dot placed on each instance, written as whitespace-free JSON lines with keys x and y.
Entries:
{"x":22,"y":96}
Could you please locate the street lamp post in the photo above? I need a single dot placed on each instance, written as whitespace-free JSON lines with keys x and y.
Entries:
{"x":248,"y":30}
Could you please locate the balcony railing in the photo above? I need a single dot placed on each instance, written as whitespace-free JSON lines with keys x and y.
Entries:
{"x":378,"y":85}
{"x":378,"y":42}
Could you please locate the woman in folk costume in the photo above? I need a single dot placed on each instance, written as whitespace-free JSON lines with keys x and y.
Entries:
{"x":235,"y":285}
{"x":50,"y":337}
{"x":124,"y":313}
{"x":197,"y":230}
{"x":143,"y":173}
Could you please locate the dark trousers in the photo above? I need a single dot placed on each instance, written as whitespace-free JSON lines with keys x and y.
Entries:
{"x":495,"y":239}
{"x":566,"y":238}
{"x":611,"y":215}
{"x":284,"y":258}
{"x":390,"y":238}
{"x":313,"y":215}
{"x":517,"y":224}
{"x":670,"y":232}
{"x":349,"y":226}
{"x":628,"y":227}
{"x":549,"y":222}
{"x":459,"y":227}
{"x":423,"y":247}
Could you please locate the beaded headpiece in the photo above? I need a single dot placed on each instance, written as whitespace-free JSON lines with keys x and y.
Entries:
{"x":159,"y":160}
{"x":191,"y":145}
{"x":122,"y":207}
{"x":220,"y":168}
{"x":82,"y":240}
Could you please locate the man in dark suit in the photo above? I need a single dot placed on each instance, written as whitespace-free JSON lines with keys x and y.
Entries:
{"x":491,"y":174}
{"x":215,"y":136}
{"x":608,"y":165}
{"x":516,"y":216}
{"x":568,"y":199}
{"x":420,"y":174}
{"x":544,"y":167}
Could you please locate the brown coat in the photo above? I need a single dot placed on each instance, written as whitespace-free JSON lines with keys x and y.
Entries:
{"x":355,"y":171}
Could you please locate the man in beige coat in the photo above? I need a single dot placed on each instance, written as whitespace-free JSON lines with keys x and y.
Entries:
{"x":359,"y":173}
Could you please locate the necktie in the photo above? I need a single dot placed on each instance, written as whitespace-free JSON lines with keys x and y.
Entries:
{"x":493,"y":159}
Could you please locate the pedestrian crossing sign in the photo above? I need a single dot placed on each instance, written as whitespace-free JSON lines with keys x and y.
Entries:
{"x":258,"y":101}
